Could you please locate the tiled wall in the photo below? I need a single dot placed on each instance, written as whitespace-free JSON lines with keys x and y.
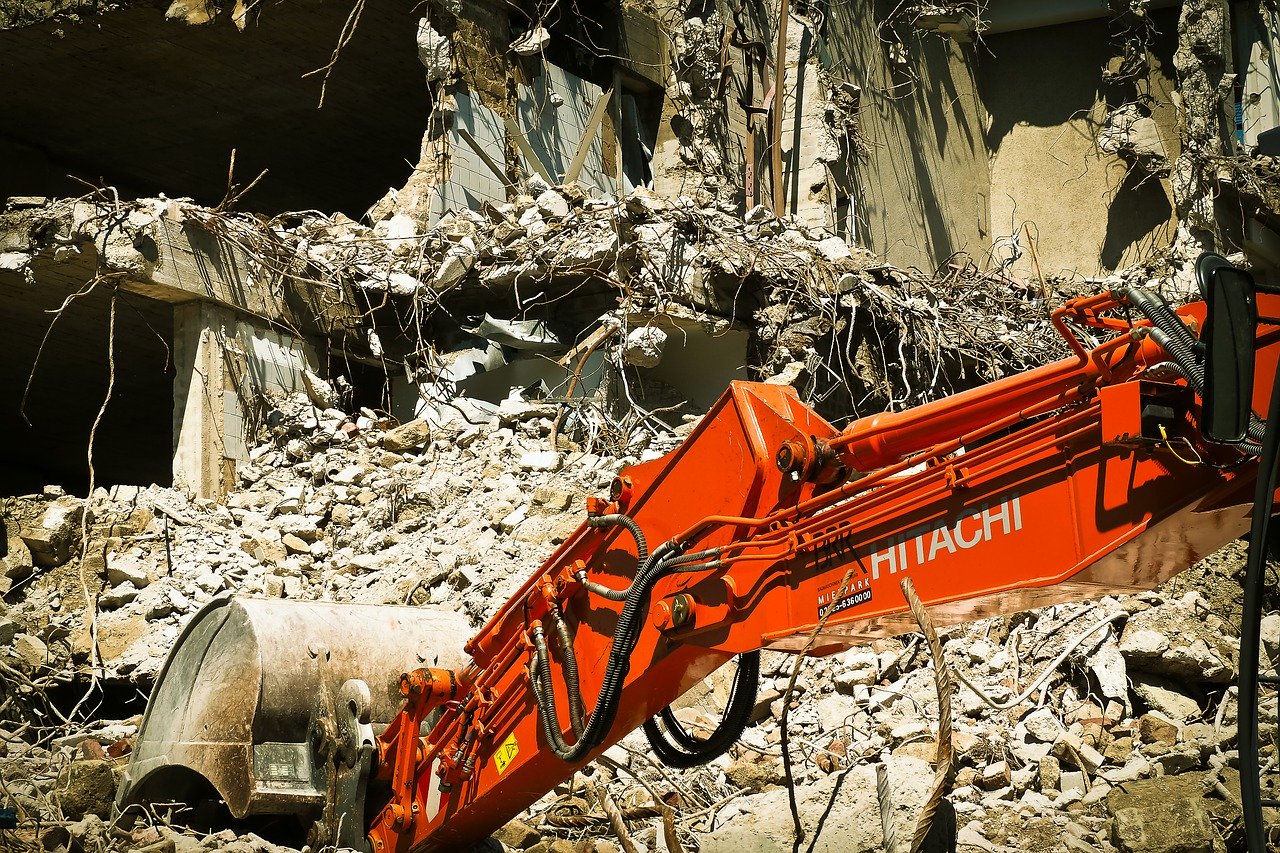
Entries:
{"x":471,"y":182}
{"x":554,"y":133}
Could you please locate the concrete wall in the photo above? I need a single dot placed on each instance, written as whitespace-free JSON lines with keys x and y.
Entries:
{"x":923,"y":188}
{"x":1086,"y":211}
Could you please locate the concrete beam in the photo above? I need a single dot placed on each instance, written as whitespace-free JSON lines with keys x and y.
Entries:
{"x":193,"y":262}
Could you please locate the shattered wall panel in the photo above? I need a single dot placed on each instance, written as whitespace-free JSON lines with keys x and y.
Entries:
{"x":271,"y":363}
{"x":470,"y":181}
{"x":809,"y":147}
{"x":1076,"y":175}
{"x":922,"y":180}
{"x":699,"y":363}
{"x":553,"y":112}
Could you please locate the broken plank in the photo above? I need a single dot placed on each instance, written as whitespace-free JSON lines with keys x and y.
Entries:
{"x":513,"y":131}
{"x":588,"y":136}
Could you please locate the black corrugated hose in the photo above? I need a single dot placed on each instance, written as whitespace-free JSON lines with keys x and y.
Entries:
{"x":1250,"y":626}
{"x":626,"y":632}
{"x":642,"y":553}
{"x":665,"y":560}
{"x":683,"y":750}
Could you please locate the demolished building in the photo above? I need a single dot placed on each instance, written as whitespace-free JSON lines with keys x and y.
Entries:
{"x":947,"y":167}
{"x":577,"y":224}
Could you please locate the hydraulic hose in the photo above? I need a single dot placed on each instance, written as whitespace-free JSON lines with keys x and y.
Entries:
{"x":1250,"y":628}
{"x":1176,"y":339}
{"x":626,"y":633}
{"x":572,"y":685}
{"x":595,"y":727}
{"x":620,"y":520}
{"x":1170,"y":332}
{"x":683,"y":750}
{"x":642,"y":553}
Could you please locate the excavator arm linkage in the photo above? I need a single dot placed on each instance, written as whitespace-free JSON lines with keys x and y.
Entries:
{"x":770,"y":528}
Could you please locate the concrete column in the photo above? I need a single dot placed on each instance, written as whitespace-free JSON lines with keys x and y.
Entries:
{"x":200,"y":462}
{"x":224,"y":364}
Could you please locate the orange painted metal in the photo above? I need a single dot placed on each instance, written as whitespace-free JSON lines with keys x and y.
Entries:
{"x":993,"y":501}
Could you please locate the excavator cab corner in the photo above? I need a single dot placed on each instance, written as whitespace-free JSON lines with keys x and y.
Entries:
{"x":1230,"y":329}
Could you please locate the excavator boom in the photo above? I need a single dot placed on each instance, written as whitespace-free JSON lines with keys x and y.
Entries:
{"x":770,"y":528}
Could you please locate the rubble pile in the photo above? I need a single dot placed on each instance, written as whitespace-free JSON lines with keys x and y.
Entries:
{"x":1092,"y":726}
{"x":853,"y":334}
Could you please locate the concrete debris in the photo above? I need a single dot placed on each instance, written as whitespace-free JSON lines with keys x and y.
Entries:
{"x":643,"y":347}
{"x":56,"y":535}
{"x":533,"y":42}
{"x":86,"y":788}
{"x":1169,"y":815}
{"x":435,"y":51}
{"x":192,"y":12}
{"x":1130,"y":132}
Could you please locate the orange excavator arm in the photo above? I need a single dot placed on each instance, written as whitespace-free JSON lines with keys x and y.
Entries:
{"x":769,"y":528}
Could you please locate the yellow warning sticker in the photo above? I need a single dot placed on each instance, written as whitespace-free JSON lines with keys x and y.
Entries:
{"x":506,"y":753}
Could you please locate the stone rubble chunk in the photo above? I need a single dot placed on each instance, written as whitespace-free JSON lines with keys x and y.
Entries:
{"x":17,"y":563}
{"x":1050,"y":773}
{"x":540,"y":460}
{"x":1270,"y":635}
{"x":533,"y":42}
{"x":435,"y":51}
{"x":1160,"y":816}
{"x":1043,"y":725}
{"x":995,"y":776}
{"x":1135,"y":768}
{"x":518,"y":835}
{"x":1071,"y":750}
{"x":1143,"y":644}
{"x":552,"y":205}
{"x":455,"y":265}
{"x":127,"y":567}
{"x":56,"y":536}
{"x":1108,"y":667}
{"x":1163,"y":696}
{"x":210,"y":582}
{"x":1154,"y":729}
{"x":117,"y":596}
{"x":86,"y":787}
{"x":31,"y":651}
{"x":643,"y":347}
{"x":407,"y":436}
{"x":833,"y":249}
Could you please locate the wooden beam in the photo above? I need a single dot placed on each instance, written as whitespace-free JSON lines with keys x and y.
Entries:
{"x":514,"y":131}
{"x":588,"y":136}
{"x":480,"y":152}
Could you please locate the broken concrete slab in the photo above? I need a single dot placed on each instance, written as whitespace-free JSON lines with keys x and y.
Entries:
{"x":55,"y":537}
{"x":1161,"y":815}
